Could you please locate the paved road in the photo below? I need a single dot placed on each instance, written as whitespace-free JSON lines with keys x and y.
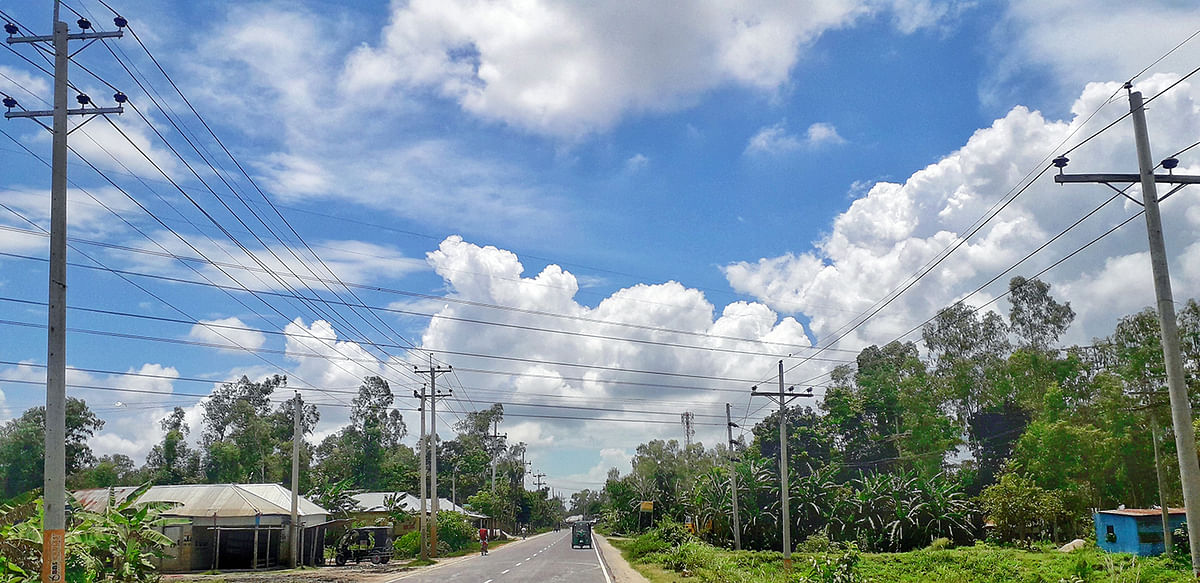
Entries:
{"x":547,"y":558}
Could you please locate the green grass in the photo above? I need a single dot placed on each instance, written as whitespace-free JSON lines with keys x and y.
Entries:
{"x":983,"y":563}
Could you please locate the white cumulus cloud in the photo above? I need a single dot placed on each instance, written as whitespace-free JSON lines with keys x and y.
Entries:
{"x":896,"y":229}
{"x":230,"y":333}
{"x":569,"y":68}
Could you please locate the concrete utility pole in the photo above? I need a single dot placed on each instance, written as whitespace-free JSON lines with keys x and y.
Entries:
{"x":434,"y":395}
{"x":54,"y":481}
{"x":538,"y":482}
{"x":297,"y":435}
{"x":421,"y":520}
{"x":1162,"y":488}
{"x":782,"y":399}
{"x":737,"y":525}
{"x":1181,"y":409}
{"x":496,"y":435}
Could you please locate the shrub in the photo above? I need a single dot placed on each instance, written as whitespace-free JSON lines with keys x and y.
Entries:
{"x":836,"y":567}
{"x":816,"y":543}
{"x":688,"y":556}
{"x":662,"y":538}
{"x":408,"y":545}
{"x":940,"y":544}
{"x":1021,"y":510}
{"x":646,"y":544}
{"x":673,"y":533}
{"x":455,"y":531}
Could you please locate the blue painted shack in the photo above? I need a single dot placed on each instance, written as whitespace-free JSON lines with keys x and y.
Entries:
{"x":1134,"y":530}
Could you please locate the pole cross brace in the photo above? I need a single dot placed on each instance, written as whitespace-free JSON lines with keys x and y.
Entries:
{"x":50,"y":112}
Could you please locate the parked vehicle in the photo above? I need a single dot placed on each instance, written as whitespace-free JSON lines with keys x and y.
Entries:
{"x":373,"y":543}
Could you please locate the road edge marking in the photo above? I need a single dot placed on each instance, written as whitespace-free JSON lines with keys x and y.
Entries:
{"x":603,"y":567}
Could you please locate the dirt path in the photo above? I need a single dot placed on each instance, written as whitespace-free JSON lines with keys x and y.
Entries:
{"x":622,"y":571}
{"x":360,"y":573}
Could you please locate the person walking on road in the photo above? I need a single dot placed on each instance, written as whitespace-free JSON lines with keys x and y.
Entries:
{"x":483,"y":542}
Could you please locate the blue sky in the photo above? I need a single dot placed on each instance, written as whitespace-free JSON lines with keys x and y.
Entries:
{"x":687,"y":193}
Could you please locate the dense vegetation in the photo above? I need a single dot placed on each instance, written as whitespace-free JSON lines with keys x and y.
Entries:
{"x":994,"y":422}
{"x":667,"y":557}
{"x":244,"y":439}
{"x":902,"y":449}
{"x":118,"y":543}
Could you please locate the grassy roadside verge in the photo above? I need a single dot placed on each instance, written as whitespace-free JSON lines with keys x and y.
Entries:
{"x":695,"y":561}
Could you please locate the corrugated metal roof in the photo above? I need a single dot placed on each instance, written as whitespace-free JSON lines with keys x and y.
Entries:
{"x":1141,"y":511}
{"x":375,"y":502}
{"x":220,"y":500}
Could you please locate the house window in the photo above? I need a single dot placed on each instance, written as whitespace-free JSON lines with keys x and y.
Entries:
{"x":1110,"y":535}
{"x":1150,"y":536}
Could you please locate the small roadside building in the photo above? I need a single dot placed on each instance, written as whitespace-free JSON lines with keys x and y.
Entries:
{"x":230,"y":526}
{"x":1138,"y":531}
{"x":373,"y":509}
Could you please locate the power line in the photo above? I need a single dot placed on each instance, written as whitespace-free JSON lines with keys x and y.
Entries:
{"x":439,"y":316}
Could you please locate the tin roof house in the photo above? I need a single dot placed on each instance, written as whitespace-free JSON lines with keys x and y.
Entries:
{"x":230,"y":526}
{"x":373,"y":507}
{"x":1135,"y":530}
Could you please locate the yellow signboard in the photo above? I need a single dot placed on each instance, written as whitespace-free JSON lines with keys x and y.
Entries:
{"x":647,"y":506}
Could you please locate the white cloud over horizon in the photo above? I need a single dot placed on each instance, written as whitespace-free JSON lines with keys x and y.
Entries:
{"x":896,"y":228}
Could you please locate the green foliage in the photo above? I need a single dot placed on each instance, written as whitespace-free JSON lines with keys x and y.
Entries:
{"x":981,"y":563}
{"x":243,"y":439}
{"x":834,"y":567}
{"x":336,"y":497}
{"x":663,"y":537}
{"x":1020,"y":509}
{"x":816,"y":543}
{"x":118,"y":543}
{"x":408,"y":545}
{"x":23,"y":445}
{"x":173,"y":461}
{"x":455,"y":531}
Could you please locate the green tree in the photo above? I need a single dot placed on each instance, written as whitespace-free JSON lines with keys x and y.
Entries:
{"x":173,"y":461}
{"x":110,"y":470}
{"x":1021,"y":510}
{"x":365,"y":450}
{"x":23,"y":446}
{"x":237,"y":431}
{"x":1034,"y":316}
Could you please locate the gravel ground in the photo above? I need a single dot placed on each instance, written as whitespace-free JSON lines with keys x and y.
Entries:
{"x":332,"y":574}
{"x":622,"y":571}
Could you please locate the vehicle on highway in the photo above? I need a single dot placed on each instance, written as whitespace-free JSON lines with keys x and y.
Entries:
{"x":581,"y":535}
{"x":373,"y":543}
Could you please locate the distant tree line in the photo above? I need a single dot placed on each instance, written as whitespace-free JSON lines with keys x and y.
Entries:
{"x":995,"y":422}
{"x":244,"y":438}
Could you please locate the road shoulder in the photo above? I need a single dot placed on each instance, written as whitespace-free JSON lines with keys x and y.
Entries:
{"x":622,"y":571}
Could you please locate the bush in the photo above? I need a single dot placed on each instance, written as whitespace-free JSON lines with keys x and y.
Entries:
{"x":455,"y":531}
{"x":673,"y":533}
{"x":408,"y":545}
{"x":816,"y":543}
{"x":835,"y":567}
{"x":662,"y":538}
{"x":647,"y":544}
{"x":688,"y":556}
{"x":940,"y":544}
